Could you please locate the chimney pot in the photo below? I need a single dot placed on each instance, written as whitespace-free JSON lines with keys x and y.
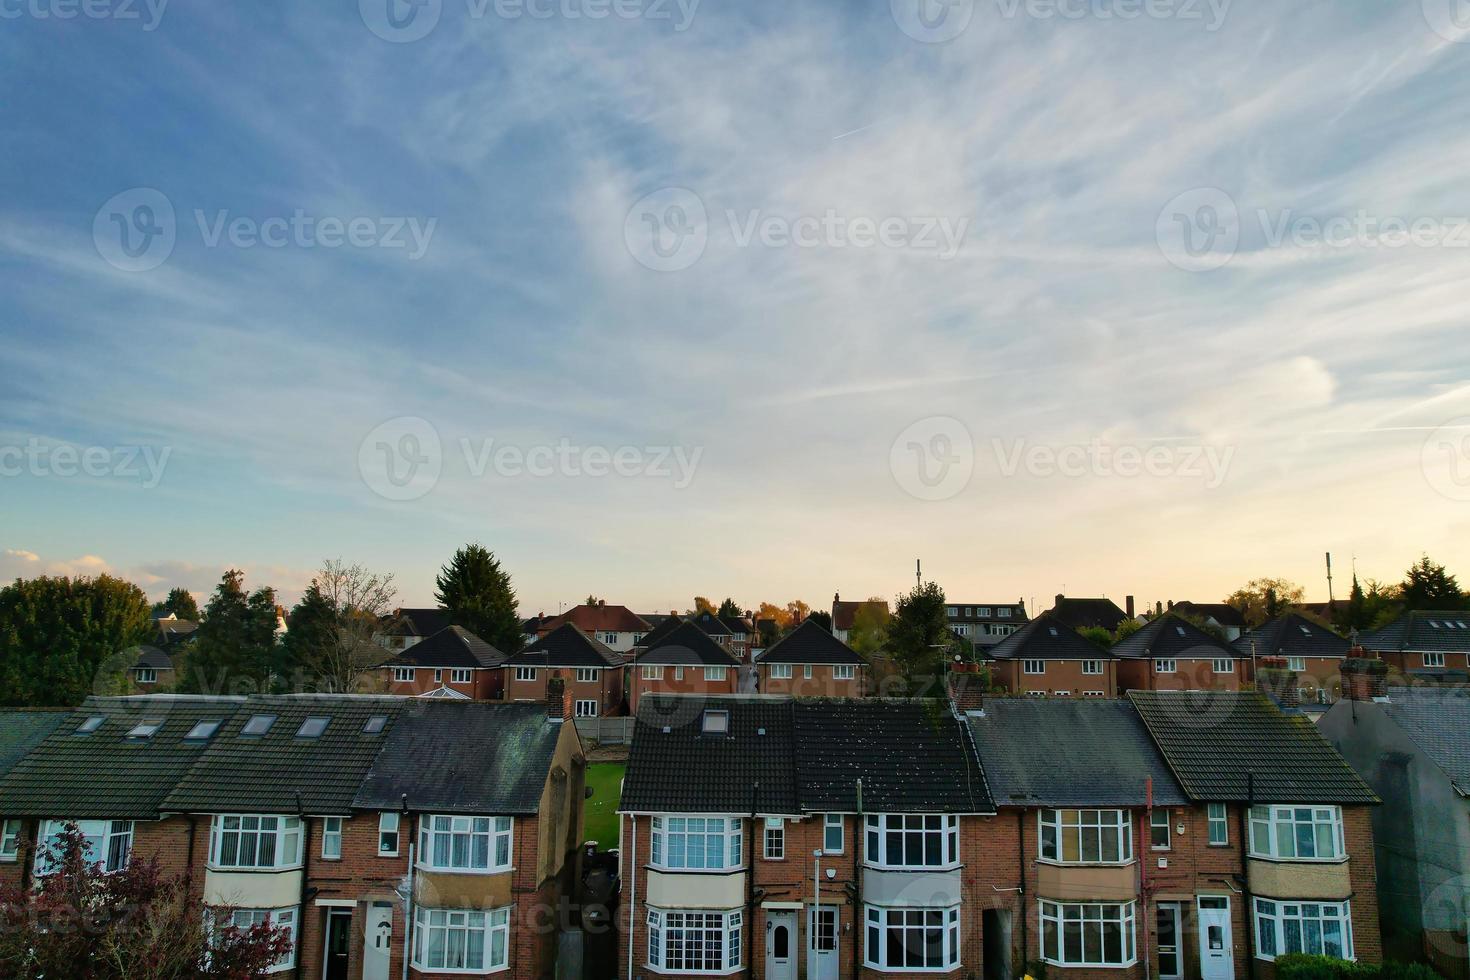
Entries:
{"x":1128,"y":606}
{"x":1364,"y":678}
{"x":1278,"y":682}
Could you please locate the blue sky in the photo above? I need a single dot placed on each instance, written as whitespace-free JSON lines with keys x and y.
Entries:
{"x":1298,"y":396}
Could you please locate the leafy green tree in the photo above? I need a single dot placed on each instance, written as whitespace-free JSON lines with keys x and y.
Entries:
{"x":58,"y":635}
{"x":1428,"y":586}
{"x":1261,"y":599}
{"x":235,"y":649}
{"x":1126,"y":629}
{"x":180,"y":603}
{"x":478,"y":596}
{"x":919,"y":638}
{"x":1098,"y":635}
{"x":593,"y":600}
{"x":822,"y":618}
{"x":729,"y":608}
{"x":870,"y":629}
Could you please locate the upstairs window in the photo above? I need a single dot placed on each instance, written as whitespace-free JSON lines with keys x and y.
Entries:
{"x":775,"y":839}
{"x":609,"y":639}
{"x":145,"y":675}
{"x":1092,"y":666}
{"x":1158,"y":830}
{"x":332,"y":838}
{"x":780,"y":672}
{"x":715,"y":673}
{"x":1086,"y":836}
{"x":1219,"y":825}
{"x":1166,"y":666}
{"x":404,"y":675}
{"x":248,"y":840}
{"x":696,"y":843}
{"x":10,"y":832}
{"x":1224,"y":666}
{"x":108,"y":843}
{"x":1434,"y":660}
{"x":1033,"y":666}
{"x":1296,"y":664}
{"x":461,"y":675}
{"x":526,"y":673}
{"x":843,"y":672}
{"x":467,"y":844}
{"x":832,"y":833}
{"x":587,"y":675}
{"x":387,"y":835}
{"x":913,"y":840}
{"x":653,"y":672}
{"x":1296,"y":833}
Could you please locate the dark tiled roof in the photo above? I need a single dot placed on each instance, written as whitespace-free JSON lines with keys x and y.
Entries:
{"x":1172,"y":637}
{"x":419,"y":622}
{"x":737,"y":624}
{"x":682,"y":770}
{"x":1221,"y":612}
{"x":1082,"y":613}
{"x":1437,"y":719}
{"x":845,"y":613}
{"x":970,"y":612}
{"x":711,"y":624}
{"x":463,"y":757}
{"x":593,"y":619}
{"x":1292,"y":635}
{"x":453,"y":646}
{"x":912,"y":756}
{"x":566,"y":646}
{"x":175,"y":630}
{"x":661,"y":629}
{"x":279,"y":772}
{"x":687,"y":645}
{"x":1046,"y":638}
{"x":106,"y":774}
{"x":1215,"y":740}
{"x":809,"y":643}
{"x":151,"y":656}
{"x":22,"y":729}
{"x":1422,"y":631}
{"x":1089,"y":753}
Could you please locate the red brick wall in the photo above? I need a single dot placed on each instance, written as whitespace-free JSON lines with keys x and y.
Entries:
{"x":1193,"y":675}
{"x":607,"y":690}
{"x":1061,"y":675}
{"x":693,"y":683}
{"x":820,"y":685}
{"x":484,"y":685}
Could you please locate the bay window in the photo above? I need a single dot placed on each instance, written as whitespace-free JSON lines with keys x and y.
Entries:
{"x":244,"y":920}
{"x":470,"y":844}
{"x":461,"y":940}
{"x":912,"y":840}
{"x":1087,"y":934}
{"x":694,"y":942}
{"x":696,"y":843}
{"x":107,"y":842}
{"x":1296,"y":833}
{"x":1086,"y":836}
{"x":1314,"y":928}
{"x":912,"y":940}
{"x":252,"y":841}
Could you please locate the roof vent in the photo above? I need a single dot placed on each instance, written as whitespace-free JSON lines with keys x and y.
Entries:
{"x":760,"y":731}
{"x":312,"y":728}
{"x":90,"y":725}
{"x":258,"y":725}
{"x":667,"y":729}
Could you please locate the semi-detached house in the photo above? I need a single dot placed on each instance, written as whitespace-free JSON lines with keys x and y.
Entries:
{"x":683,"y":660}
{"x":1169,"y":653}
{"x":590,"y":670}
{"x":1048,"y":657}
{"x":453,"y":663}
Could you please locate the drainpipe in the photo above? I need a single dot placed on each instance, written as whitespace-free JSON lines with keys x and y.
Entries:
{"x":1245,"y":867}
{"x":1145,"y":854}
{"x":633,"y":887}
{"x":407,"y":909}
{"x":1021,"y":891}
{"x":305,"y":877}
{"x":859,"y":915}
{"x":755,"y":789}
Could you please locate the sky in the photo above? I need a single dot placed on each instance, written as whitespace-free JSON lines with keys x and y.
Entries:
{"x":760,"y":299}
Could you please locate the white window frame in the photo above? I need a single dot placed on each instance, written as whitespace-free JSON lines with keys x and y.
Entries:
{"x":525,"y":673}
{"x":679,"y":673}
{"x":1091,"y":918}
{"x":1033,"y":667}
{"x":492,"y":925}
{"x":831,"y":822}
{"x":287,"y":918}
{"x":653,"y":672}
{"x":1268,"y":823}
{"x":1296,"y":664}
{"x":1092,"y":667}
{"x":586,"y":675}
{"x":332,"y":832}
{"x":114,"y":838}
{"x":609,"y":639}
{"x":780,"y":672}
{"x":1166,"y":665}
{"x":844,"y":672}
{"x":1223,"y":665}
{"x":145,"y":675}
{"x":389,"y":822}
{"x":713,"y":674}
{"x":404,"y":675}
{"x":1433,"y":659}
{"x":10,"y":832}
{"x":910,"y":830}
{"x":879,"y":920}
{"x":806,"y":671}
{"x":1272,"y":917}
{"x":467,"y":834}
{"x":774,"y":839}
{"x":284,"y":832}
{"x":461,"y":675}
{"x":438,"y":675}
{"x":672,"y":933}
{"x":587,"y":708}
{"x":670,"y":843}
{"x":1159,"y":819}
{"x":1217,"y":815}
{"x":1084,"y":826}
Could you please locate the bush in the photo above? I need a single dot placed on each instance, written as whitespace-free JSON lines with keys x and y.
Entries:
{"x":1408,"y":971}
{"x":1298,"y":966}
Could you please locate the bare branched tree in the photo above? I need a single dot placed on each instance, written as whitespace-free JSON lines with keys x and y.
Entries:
{"x":333,"y":627}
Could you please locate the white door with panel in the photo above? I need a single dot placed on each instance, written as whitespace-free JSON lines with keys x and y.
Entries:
{"x":821,"y":931}
{"x":377,"y":940}
{"x":780,"y":945}
{"x":1216,"y":951}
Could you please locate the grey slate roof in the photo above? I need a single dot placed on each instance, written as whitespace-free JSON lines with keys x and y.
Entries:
{"x":1437,"y":719}
{"x":453,"y":646}
{"x":687,"y":645}
{"x":279,"y":772}
{"x":809,"y":643}
{"x":1214,"y":740}
{"x":711,"y":624}
{"x":151,"y":656}
{"x":1046,"y":638}
{"x":1172,"y":637}
{"x":106,"y":774}
{"x":22,"y":729}
{"x":566,"y":646}
{"x":1060,"y":752}
{"x":1293,"y":635}
{"x":463,"y":757}
{"x":1422,"y":631}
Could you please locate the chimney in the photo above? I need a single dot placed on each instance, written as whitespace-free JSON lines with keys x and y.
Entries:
{"x":1275,"y":680}
{"x":1060,"y":597}
{"x":1158,"y":609}
{"x":558,"y":700}
{"x":1364,"y":678}
{"x":1128,"y":606}
{"x":1171,"y":605}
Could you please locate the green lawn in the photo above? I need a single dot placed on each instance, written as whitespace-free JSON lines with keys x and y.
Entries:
{"x":606,"y":780}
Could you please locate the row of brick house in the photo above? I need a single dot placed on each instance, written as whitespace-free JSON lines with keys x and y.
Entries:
{"x":376,"y":830}
{"x":1168,"y":834}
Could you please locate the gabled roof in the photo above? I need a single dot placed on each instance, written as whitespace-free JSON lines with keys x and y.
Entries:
{"x":689,"y":646}
{"x":1293,"y":635}
{"x":593,"y":619}
{"x":22,"y":729}
{"x":1173,"y":637}
{"x":663,"y":628}
{"x":171,"y":630}
{"x":737,"y":624}
{"x":1437,"y":719}
{"x":151,"y":656}
{"x":1046,"y":638}
{"x":1082,"y":613}
{"x":106,"y":774}
{"x":566,"y":646}
{"x":1422,"y":631}
{"x":417,"y":622}
{"x":1221,"y":612}
{"x":1092,"y":753}
{"x":1218,"y":743}
{"x":453,"y":646}
{"x":844,"y":613}
{"x":971,"y":612}
{"x":809,"y":643}
{"x":711,"y":624}
{"x":463,"y":757}
{"x":280,"y":771}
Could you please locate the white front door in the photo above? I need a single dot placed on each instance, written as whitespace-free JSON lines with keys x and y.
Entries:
{"x":377,"y":940}
{"x":780,"y":945}
{"x":821,"y":931}
{"x":1216,"y":953}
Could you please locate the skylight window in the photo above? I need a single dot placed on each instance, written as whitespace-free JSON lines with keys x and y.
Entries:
{"x":1304,"y":630}
{"x":312,"y":728}
{"x":1434,"y":623}
{"x":375,"y":724}
{"x":90,"y":725}
{"x":146,"y":728}
{"x":203,"y":731}
{"x":717,"y":722}
{"x":1179,"y":630}
{"x":1053,"y":630}
{"x":258,"y":725}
